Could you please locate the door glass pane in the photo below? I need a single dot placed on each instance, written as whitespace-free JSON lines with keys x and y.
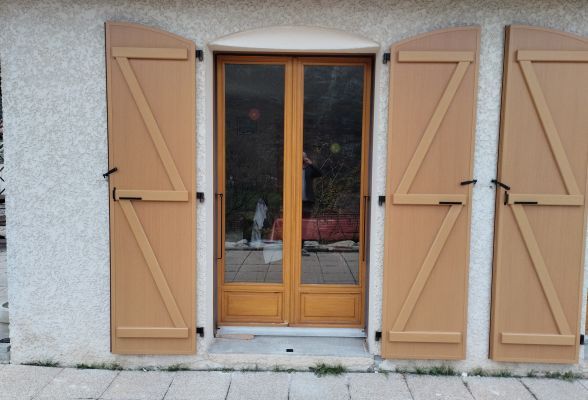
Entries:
{"x":331,"y":176}
{"x":254,"y":136}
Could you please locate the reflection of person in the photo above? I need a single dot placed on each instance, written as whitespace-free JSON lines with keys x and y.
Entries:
{"x":309,"y":172}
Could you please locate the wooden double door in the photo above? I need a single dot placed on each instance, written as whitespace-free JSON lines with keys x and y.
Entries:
{"x":291,"y":191}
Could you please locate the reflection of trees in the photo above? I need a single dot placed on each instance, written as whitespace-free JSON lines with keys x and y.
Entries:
{"x":337,"y":191}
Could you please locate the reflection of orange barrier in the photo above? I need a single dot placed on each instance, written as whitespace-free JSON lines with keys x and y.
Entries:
{"x":324,"y":229}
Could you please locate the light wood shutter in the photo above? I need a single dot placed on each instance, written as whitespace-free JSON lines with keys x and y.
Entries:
{"x":430,"y":149}
{"x":540,"y":221}
{"x":151,"y":135}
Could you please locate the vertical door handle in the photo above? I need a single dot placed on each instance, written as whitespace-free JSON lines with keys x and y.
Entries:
{"x":366,"y":202}
{"x":221,"y":227}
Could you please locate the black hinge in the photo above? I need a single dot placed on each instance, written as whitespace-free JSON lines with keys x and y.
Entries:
{"x":378,"y":336}
{"x":110,"y":171}
{"x":527,"y":202}
{"x":505,"y":198}
{"x":581,"y":339}
{"x":200,"y":331}
{"x":199,"y":54}
{"x":200,"y":196}
{"x":381,"y":200}
{"x":386,"y":58}
{"x":447,"y":203}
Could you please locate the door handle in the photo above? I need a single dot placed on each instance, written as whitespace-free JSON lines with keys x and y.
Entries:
{"x":221,"y":227}
{"x":366,"y":203}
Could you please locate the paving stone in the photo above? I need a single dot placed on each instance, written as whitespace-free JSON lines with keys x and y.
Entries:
{"x":378,"y":386}
{"x":23,"y":381}
{"x":550,"y":389}
{"x":258,"y":386}
{"x":437,"y":387}
{"x":201,"y":385}
{"x":78,"y":383}
{"x":584,"y":383}
{"x":498,"y":388}
{"x":307,"y":386}
{"x":138,"y":385}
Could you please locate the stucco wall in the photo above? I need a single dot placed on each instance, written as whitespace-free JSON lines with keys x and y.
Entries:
{"x":52,"y":59}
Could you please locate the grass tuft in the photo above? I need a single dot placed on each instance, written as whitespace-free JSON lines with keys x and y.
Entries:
{"x":277,"y":368}
{"x":175,"y":367}
{"x":323,"y":369}
{"x":110,"y":366}
{"x":442,"y":370}
{"x":502,"y":373}
{"x":532,"y":374}
{"x":249,"y":369}
{"x":569,"y":376}
{"x":479,"y":372}
{"x":43,"y":363}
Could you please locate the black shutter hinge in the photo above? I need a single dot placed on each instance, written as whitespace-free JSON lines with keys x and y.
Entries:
{"x":200,"y":331}
{"x":110,"y":171}
{"x":470,"y":182}
{"x":502,"y":185}
{"x":378,"y":336}
{"x":386,"y":58}
{"x":581,"y":339}
{"x":381,"y":200}
{"x":200,"y":196}
{"x":199,"y":54}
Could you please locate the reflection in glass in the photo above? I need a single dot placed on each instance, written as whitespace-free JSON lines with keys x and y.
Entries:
{"x":254,"y":148}
{"x":331,"y":162}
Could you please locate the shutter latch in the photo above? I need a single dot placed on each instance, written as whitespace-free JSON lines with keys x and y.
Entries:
{"x":386,"y":58}
{"x":110,"y":171}
{"x":200,"y":331}
{"x":199,"y":55}
{"x":200,"y":196}
{"x":381,"y":200}
{"x":502,"y":185}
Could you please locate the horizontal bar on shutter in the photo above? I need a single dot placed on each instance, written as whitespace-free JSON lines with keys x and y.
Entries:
{"x":125,"y":332}
{"x":425,"y":337}
{"x":153,"y":195}
{"x":435,"y":56}
{"x":547,"y":199}
{"x":552,"y":55}
{"x":541,"y":339}
{"x":151,"y":53}
{"x":429,"y":199}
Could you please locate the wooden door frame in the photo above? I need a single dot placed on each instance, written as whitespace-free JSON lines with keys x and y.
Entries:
{"x":297,"y":287}
{"x":220,"y":166}
{"x":292,"y":192}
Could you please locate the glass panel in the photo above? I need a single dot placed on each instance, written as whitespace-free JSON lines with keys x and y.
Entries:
{"x":331,"y":176}
{"x":254,"y":158}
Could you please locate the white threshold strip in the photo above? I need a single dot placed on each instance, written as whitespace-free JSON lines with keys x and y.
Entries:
{"x":290,"y":331}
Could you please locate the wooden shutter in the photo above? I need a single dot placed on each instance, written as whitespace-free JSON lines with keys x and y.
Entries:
{"x":151,"y":138}
{"x":428,"y":200}
{"x":540,"y":220}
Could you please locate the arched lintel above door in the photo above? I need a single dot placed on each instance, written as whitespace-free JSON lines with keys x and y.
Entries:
{"x":295,"y":39}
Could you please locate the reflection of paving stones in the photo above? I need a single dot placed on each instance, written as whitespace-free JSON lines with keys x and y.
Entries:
{"x":317,"y":267}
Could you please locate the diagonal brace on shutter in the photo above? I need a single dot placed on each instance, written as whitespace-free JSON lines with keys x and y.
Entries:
{"x":181,"y":330}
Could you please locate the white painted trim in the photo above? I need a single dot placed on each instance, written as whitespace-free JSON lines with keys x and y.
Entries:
{"x":295,"y":39}
{"x":289,"y":331}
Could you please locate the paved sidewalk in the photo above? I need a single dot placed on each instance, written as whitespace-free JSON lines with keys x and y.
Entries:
{"x":27,"y":382}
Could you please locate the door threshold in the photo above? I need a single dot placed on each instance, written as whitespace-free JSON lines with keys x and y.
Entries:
{"x":290,"y":331}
